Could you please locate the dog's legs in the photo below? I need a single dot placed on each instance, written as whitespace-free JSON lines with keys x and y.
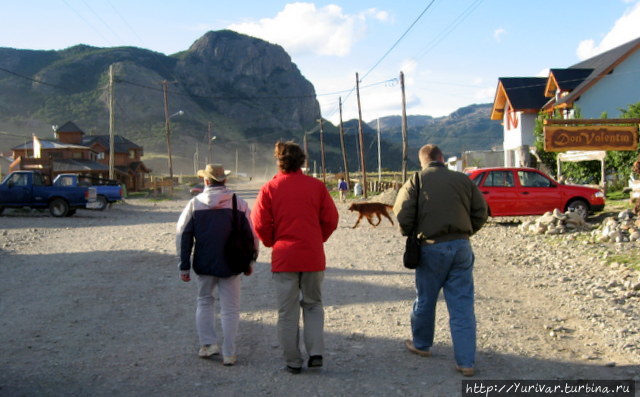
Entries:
{"x":370,"y":219}
{"x":357,"y":222}
{"x":388,"y":217}
{"x":379,"y":220}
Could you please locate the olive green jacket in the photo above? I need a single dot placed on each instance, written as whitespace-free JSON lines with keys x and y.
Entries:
{"x":450,"y":205}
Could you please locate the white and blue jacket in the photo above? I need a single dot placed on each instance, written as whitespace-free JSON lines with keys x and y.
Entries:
{"x":206,"y":221}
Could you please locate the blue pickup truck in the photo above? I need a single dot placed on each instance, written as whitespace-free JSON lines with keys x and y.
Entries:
{"x":28,"y":189}
{"x":108,"y":191}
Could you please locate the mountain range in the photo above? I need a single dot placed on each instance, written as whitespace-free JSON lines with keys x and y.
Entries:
{"x":244,"y":91}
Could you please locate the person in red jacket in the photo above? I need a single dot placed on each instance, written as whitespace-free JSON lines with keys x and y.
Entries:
{"x":294,"y":214}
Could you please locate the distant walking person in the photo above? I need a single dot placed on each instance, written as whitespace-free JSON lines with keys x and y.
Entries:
{"x":357,"y":189}
{"x":206,"y":221}
{"x":449,"y":209}
{"x":295,"y":215}
{"x":342,"y":188}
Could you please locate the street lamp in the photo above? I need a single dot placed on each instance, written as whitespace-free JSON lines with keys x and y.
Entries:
{"x":210,"y":153}
{"x":168,"y":131}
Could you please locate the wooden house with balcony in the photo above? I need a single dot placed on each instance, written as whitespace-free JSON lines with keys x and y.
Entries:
{"x":75,"y":152}
{"x":603,"y":84}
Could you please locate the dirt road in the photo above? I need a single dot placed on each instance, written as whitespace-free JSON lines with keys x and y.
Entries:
{"x":92,"y":305}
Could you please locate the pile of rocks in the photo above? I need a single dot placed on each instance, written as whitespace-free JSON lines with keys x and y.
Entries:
{"x":621,"y":230}
{"x":556,"y":222}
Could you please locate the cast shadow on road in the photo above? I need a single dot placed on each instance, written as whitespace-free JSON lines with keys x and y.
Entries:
{"x":121,"y":323}
{"x":122,"y":215}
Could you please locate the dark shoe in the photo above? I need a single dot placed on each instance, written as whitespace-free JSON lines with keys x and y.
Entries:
{"x":465,"y":371}
{"x":315,"y":362}
{"x":293,"y":370}
{"x":409,"y":345}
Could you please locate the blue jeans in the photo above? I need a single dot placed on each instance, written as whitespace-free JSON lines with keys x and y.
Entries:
{"x":447,"y":266}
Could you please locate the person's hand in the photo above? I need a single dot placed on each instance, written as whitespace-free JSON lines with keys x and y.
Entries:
{"x":185,"y":276}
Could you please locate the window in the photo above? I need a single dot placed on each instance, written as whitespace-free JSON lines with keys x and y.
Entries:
{"x":532,"y":179}
{"x":101,"y":156}
{"x":77,"y":155}
{"x":499,"y":179}
{"x":478,"y":179}
{"x":132,"y":154}
{"x":19,"y":180}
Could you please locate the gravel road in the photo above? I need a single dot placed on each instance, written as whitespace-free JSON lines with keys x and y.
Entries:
{"x":91,"y":305}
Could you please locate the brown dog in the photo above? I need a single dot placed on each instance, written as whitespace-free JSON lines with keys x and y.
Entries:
{"x":369,"y":210}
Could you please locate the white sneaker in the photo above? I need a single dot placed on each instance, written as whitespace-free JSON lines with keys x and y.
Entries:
{"x":208,"y":351}
{"x":229,"y":361}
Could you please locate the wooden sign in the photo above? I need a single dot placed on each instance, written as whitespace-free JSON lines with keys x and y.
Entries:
{"x":596,"y":137}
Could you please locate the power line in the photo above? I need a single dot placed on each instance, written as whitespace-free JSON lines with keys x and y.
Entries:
{"x":126,"y":23}
{"x":102,"y":20}
{"x":29,"y":78}
{"x":87,"y":23}
{"x":398,"y":41}
{"x":456,"y":22}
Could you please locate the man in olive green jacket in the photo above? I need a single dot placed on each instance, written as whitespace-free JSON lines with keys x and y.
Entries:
{"x":449,"y":209}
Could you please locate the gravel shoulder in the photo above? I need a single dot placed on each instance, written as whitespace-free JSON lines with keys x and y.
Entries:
{"x":92,"y":305}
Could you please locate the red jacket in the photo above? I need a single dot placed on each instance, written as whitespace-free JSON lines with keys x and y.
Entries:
{"x":295,"y":215}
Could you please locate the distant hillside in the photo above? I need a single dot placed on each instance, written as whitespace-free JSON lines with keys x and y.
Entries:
{"x":245,"y":90}
{"x":468,"y":128}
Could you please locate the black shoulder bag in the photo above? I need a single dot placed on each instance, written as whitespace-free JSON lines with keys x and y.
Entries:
{"x":411,"y":258}
{"x":239,"y":250}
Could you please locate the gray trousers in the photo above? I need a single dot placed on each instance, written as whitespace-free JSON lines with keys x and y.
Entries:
{"x":297,"y":290}
{"x":229,"y":294}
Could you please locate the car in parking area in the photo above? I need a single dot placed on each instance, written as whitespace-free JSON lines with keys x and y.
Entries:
{"x":196,"y":189}
{"x":528,"y":191}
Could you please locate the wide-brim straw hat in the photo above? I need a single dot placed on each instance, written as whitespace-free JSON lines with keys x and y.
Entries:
{"x":215,"y":172}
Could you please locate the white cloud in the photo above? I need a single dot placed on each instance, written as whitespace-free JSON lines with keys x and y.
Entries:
{"x":543,"y":73}
{"x":302,"y":28}
{"x":626,"y":28}
{"x":498,"y":33}
{"x":485,"y":95}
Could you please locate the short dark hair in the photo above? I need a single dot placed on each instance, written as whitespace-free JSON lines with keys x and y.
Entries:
{"x":429,"y":153}
{"x":289,"y":155}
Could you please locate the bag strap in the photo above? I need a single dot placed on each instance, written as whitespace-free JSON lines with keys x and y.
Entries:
{"x":235,"y":212}
{"x":415,"y":222}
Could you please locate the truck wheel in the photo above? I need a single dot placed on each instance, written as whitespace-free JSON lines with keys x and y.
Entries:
{"x":59,"y":207}
{"x":103,"y":203}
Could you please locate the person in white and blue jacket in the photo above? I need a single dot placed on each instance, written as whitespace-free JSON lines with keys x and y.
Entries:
{"x":202,"y":229}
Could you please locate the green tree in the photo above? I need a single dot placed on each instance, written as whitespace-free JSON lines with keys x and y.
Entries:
{"x":619,"y":162}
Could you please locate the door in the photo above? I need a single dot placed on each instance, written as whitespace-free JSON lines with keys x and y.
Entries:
{"x":539,"y":194}
{"x":501,"y":193}
{"x":17,"y":190}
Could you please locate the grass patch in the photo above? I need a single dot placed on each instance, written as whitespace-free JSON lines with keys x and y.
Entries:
{"x":617,"y":205}
{"x":617,"y":195}
{"x":630,"y":261}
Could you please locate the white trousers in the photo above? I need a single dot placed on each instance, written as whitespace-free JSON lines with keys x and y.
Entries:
{"x":229,"y":295}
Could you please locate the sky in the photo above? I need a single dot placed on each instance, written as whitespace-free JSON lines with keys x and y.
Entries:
{"x":451,"y":52}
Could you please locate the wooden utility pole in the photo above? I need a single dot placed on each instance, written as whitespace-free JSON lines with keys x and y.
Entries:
{"x":324,"y":176}
{"x":306,"y":152}
{"x":209,"y":154}
{"x":112,"y":154}
{"x":253,"y":160}
{"x":344,"y":150}
{"x":361,"y":140}
{"x":379,"y":155}
{"x":165,"y":85}
{"x":405,"y":143}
